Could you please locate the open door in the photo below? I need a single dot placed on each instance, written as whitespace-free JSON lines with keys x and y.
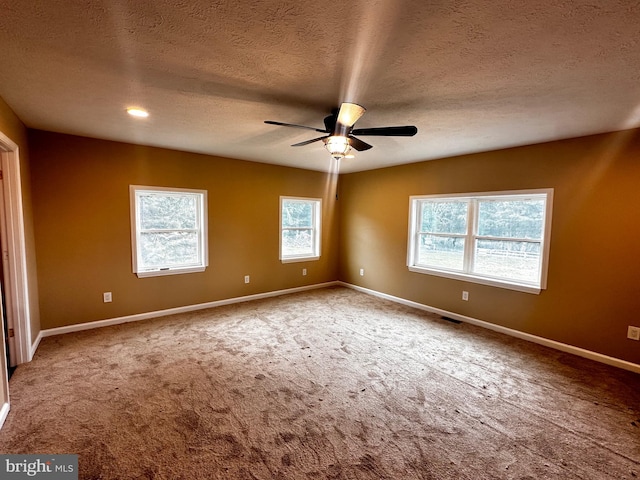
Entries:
{"x":8,"y":338}
{"x":15,"y":288}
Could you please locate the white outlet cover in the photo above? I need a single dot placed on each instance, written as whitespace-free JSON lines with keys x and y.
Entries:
{"x":633,"y":333}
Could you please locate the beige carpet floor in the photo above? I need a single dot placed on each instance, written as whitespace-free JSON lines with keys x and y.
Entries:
{"x":325,"y":384}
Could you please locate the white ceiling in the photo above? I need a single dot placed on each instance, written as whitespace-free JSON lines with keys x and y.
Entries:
{"x":471,"y":75}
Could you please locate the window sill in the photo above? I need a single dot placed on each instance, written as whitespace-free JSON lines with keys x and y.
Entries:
{"x":520,"y":287}
{"x":169,"y":271}
{"x":309,"y":258}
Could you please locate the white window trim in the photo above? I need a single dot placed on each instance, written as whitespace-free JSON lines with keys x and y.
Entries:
{"x":204,"y":243}
{"x":317,"y":228}
{"x":477,"y":278}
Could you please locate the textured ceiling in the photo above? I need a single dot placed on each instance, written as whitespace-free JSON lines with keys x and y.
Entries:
{"x":471,"y":75}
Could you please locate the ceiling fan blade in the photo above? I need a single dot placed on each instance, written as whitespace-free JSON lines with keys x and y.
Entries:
{"x":349,"y":114}
{"x":358,"y":144}
{"x":406,"y":131}
{"x":271,"y":122}
{"x":307,"y":142}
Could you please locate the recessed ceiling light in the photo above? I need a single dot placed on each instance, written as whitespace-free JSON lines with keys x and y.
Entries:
{"x":137,"y":112}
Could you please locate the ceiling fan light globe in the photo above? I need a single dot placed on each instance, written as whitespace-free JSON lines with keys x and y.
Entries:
{"x":337,"y":146}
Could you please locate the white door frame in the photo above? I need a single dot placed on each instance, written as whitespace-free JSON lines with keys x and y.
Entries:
{"x":11,"y":339}
{"x":16,"y":284}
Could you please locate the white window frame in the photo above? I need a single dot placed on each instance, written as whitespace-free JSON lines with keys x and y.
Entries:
{"x":316,"y":228}
{"x":202,"y":230}
{"x":471,"y":236}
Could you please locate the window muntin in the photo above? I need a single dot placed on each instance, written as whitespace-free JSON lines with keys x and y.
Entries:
{"x":299,"y":229}
{"x":169,"y":230}
{"x":496,"y":238}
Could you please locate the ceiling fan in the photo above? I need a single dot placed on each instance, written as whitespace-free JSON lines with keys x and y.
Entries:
{"x":340,"y":132}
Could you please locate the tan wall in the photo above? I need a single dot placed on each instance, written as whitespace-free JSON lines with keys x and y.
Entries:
{"x":593,"y":289}
{"x":82,"y":226}
{"x":83,"y":236}
{"x":13,"y":128}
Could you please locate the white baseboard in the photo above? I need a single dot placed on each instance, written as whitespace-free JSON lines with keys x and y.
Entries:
{"x":4,"y":412}
{"x":171,"y":311}
{"x":35,"y":344}
{"x":598,"y":357}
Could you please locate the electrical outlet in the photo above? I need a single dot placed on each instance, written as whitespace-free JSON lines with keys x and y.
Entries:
{"x":106,"y":297}
{"x":362,"y":272}
{"x":304,"y":271}
{"x":465,"y":295}
{"x":246,"y":279}
{"x":633,"y":333}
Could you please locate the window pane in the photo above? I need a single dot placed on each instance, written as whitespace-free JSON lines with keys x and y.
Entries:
{"x":511,"y":218}
{"x":444,"y":217}
{"x":441,"y":252}
{"x":297,"y":214}
{"x":297,"y":242}
{"x":511,"y":260}
{"x":158,"y":211}
{"x":168,"y":249}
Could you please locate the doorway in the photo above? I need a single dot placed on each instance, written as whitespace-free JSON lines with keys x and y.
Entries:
{"x":14,"y":298}
{"x":9,"y":327}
